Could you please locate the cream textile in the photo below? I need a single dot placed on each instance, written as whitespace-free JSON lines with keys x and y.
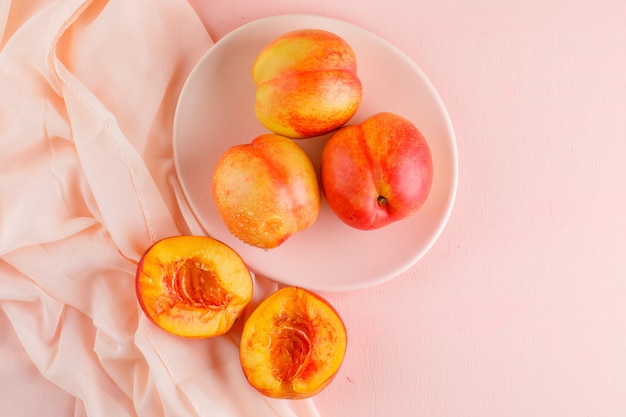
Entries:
{"x":87,"y":97}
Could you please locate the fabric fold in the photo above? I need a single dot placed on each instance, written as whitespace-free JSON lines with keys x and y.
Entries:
{"x":88,"y":91}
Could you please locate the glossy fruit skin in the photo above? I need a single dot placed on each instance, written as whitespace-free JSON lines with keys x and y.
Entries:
{"x":266,"y":191}
{"x":307,"y":84}
{"x":377,"y":172}
{"x":293,"y":344}
{"x":192,"y":286}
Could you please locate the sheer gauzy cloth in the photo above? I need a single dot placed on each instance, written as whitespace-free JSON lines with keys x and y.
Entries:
{"x":88,"y":91}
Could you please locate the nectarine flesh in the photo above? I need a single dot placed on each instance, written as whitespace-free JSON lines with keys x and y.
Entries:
{"x":193,"y":286}
{"x":292,"y":344}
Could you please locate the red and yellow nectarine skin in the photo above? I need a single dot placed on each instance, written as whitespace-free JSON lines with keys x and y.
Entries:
{"x":307,"y":83}
{"x":377,"y":172}
{"x":292,"y":344}
{"x":193,"y":286}
{"x":266,"y":191}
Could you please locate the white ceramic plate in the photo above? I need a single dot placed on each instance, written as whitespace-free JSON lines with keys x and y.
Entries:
{"x":216,"y":111}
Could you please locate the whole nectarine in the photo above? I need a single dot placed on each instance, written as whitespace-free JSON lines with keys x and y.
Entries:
{"x":292,"y":344}
{"x":377,"y":172}
{"x":266,"y":191}
{"x":307,"y":83}
{"x":193,"y":286}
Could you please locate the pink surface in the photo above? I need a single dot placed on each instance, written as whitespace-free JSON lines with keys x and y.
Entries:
{"x":518,"y":309}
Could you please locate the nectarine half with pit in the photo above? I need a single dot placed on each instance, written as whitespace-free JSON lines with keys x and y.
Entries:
{"x":307,"y":83}
{"x":193,"y":286}
{"x":292,"y":344}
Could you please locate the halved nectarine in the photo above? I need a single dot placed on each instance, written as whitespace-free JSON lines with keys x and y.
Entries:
{"x":193,"y":286}
{"x":292,"y":344}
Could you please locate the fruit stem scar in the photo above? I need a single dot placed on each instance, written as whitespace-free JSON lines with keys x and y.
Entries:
{"x":381,"y":200}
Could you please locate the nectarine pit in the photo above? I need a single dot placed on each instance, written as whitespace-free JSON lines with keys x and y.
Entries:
{"x":195,"y":283}
{"x":291,"y":347}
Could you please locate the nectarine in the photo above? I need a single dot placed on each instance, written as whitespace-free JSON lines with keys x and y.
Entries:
{"x":377,"y":172}
{"x":266,"y":191}
{"x":292,"y":344}
{"x":307,"y":84}
{"x":193,"y":286}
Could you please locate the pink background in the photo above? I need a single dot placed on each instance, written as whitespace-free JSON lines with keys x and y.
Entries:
{"x":519,"y":308}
